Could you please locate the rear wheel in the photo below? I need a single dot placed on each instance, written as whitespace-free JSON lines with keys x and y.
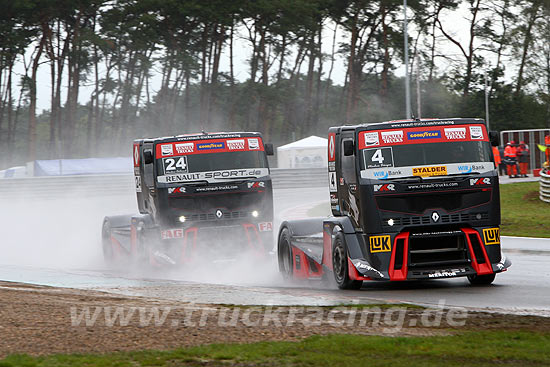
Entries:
{"x":284,"y":254}
{"x":340,"y":264}
{"x":481,"y":279}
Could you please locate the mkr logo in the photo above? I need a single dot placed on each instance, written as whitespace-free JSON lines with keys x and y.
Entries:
{"x":380,"y":243}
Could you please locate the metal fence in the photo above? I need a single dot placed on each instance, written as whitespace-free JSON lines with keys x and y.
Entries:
{"x":101,"y":185}
{"x":544,"y":192}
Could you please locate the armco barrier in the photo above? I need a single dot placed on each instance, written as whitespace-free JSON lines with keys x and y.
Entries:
{"x":544,"y":192}
{"x":101,"y":185}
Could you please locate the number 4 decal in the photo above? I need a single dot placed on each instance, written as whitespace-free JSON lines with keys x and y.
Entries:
{"x":377,"y":156}
{"x":332,"y":182}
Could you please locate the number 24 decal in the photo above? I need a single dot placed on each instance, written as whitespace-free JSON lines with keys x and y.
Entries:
{"x":171,"y":164}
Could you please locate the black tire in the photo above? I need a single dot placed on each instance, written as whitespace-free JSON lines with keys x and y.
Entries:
{"x":481,"y":279}
{"x":340,"y":264}
{"x":284,"y":254}
{"x":106,"y":243}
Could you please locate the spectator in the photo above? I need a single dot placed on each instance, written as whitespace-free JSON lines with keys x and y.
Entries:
{"x":523,"y":158}
{"x":496,"y":155}
{"x":511,"y":159}
{"x":502,"y":165}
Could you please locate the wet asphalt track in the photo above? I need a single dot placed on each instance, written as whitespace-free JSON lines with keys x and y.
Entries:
{"x":525,"y":288}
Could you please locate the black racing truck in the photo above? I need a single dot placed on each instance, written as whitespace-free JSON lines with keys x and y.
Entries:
{"x":410,"y":200}
{"x":201,"y":197}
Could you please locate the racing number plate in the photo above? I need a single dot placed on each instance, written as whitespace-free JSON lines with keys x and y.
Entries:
{"x":378,"y":157}
{"x":175,"y":165}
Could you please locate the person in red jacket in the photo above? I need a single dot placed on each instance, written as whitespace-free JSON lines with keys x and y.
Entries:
{"x":522,"y":152}
{"x":496,"y":155}
{"x":511,"y":159}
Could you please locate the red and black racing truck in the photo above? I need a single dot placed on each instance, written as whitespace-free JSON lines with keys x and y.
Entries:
{"x":410,"y":200}
{"x":201,"y":197}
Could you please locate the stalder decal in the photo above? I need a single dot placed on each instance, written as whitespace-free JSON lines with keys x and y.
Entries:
{"x":380,"y":244}
{"x":430,"y":171}
{"x":491,"y":236}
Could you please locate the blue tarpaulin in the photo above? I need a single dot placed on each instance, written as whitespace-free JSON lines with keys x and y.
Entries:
{"x":87,"y":166}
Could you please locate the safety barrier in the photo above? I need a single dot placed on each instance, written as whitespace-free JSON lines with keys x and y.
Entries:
{"x":544,"y":192}
{"x":120,"y":184}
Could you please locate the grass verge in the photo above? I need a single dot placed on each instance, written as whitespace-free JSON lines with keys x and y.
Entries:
{"x":486,"y":348}
{"x":523,"y":213}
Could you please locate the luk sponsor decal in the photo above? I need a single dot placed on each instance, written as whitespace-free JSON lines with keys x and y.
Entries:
{"x":384,"y":187}
{"x":491,"y":236}
{"x":171,"y":233}
{"x":430,"y":171}
{"x":167,"y":149}
{"x":392,"y":137}
{"x":380,"y":243}
{"x":184,"y":148}
{"x":480,"y":181}
{"x":476,"y":133}
{"x":333,"y":199}
{"x":253,"y":144}
{"x":211,"y":146}
{"x":455,"y":133}
{"x":415,"y":135}
{"x":255,"y":185}
{"x":237,"y":144}
{"x":265,"y":226}
{"x":371,"y":139}
{"x":331,"y":147}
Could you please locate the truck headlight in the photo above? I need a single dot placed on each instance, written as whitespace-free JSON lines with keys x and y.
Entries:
{"x":182,"y":218}
{"x":255,"y":213}
{"x":390,"y":222}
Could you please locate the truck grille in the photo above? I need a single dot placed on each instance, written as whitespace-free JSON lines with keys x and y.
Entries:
{"x":445,"y":218}
{"x":438,"y":249}
{"x":212,"y":217}
{"x":418,"y":204}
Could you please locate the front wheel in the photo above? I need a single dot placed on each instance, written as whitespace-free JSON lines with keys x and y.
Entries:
{"x":481,"y":279}
{"x":340,"y":264}
{"x":284,"y":254}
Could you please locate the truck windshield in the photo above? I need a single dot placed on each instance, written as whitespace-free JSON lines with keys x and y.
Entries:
{"x":226,"y":161}
{"x":429,"y":154}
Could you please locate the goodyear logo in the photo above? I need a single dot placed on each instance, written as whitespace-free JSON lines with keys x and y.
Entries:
{"x":430,"y":171}
{"x":208,"y":146}
{"x":491,"y":236}
{"x":380,"y":243}
{"x":424,"y":135}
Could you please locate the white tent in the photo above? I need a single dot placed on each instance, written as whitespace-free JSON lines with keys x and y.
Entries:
{"x":305,"y":153}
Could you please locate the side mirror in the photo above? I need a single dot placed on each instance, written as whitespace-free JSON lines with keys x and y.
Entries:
{"x":348,"y":147}
{"x":147,"y":156}
{"x":494,"y":138}
{"x":268,"y":148}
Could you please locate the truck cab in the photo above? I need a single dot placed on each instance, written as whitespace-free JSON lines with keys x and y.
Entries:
{"x":414,"y":199}
{"x":206,"y":195}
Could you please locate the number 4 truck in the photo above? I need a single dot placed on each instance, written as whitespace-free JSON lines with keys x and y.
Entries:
{"x":410,"y":200}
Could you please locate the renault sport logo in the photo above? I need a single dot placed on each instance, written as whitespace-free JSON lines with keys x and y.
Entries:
{"x":380,"y":243}
{"x":424,"y":135}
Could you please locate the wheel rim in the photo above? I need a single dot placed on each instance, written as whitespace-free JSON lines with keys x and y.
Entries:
{"x":339,"y":263}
